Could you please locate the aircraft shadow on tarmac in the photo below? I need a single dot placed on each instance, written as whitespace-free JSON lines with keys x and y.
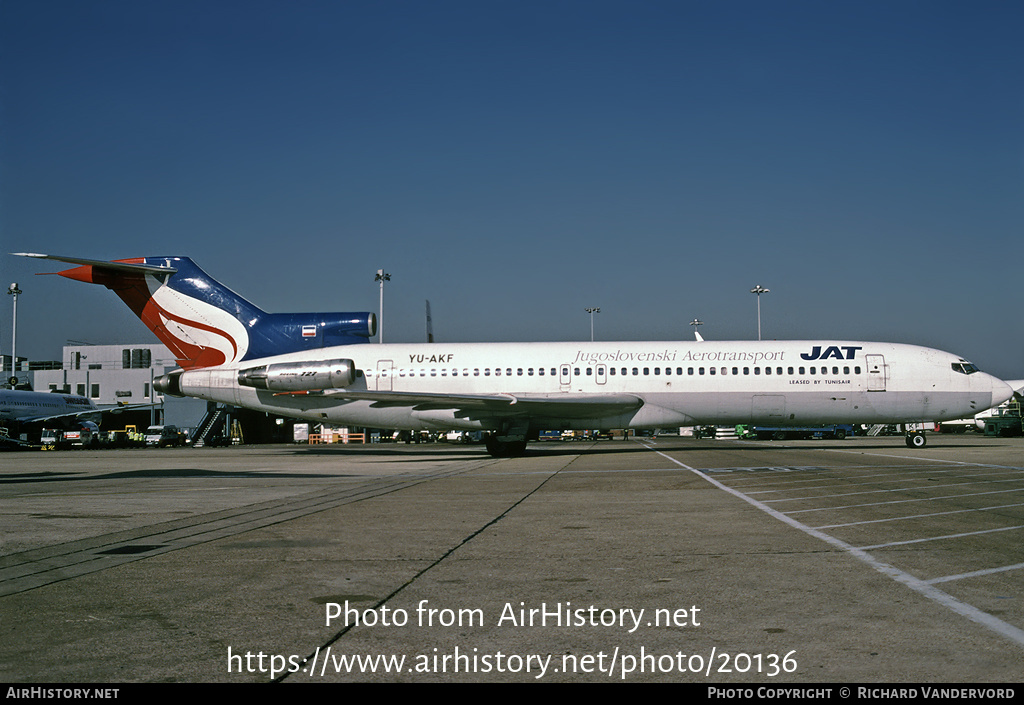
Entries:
{"x":443,"y":451}
{"x":149,"y":473}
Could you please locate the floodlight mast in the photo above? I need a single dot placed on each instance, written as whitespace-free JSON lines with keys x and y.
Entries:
{"x":13,"y":290}
{"x":759,"y":290}
{"x":381,"y":277}
{"x":592,"y":310}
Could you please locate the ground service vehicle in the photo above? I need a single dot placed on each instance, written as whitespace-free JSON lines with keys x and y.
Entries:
{"x":782,"y":433}
{"x":162,"y":436}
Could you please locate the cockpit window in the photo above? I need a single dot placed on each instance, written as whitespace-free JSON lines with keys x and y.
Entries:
{"x":964,"y":368}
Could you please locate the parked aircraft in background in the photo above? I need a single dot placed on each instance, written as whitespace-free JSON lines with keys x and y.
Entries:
{"x":25,"y":406}
{"x":231,"y":352}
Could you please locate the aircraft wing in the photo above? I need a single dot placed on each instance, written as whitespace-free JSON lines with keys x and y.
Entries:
{"x":94,"y":415}
{"x":562,"y":405}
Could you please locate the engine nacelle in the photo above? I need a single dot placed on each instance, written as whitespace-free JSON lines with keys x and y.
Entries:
{"x":169,"y":384}
{"x":300,"y":376}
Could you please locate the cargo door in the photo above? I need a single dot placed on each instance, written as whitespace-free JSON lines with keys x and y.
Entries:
{"x":768,"y":408}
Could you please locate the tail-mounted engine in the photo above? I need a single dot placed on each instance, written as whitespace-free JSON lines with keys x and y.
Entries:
{"x":169,"y":384}
{"x":300,"y":376}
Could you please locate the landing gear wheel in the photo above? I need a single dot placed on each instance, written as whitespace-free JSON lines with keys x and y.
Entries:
{"x":504,"y":449}
{"x":916,"y":440}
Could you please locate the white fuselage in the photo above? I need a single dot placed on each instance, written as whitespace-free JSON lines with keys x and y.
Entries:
{"x":18,"y":405}
{"x":678,"y":383}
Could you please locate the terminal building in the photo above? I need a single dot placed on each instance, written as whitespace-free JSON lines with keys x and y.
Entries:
{"x":106,"y":374}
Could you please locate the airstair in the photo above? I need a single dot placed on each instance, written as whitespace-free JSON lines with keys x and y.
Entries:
{"x":210,"y":424}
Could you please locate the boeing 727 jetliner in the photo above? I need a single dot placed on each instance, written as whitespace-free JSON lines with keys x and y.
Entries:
{"x":233,"y":353}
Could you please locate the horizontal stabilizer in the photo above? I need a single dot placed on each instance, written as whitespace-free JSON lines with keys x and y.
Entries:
{"x":130,"y":265}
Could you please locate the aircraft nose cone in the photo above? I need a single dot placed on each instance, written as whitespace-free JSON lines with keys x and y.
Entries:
{"x":1001,"y":391}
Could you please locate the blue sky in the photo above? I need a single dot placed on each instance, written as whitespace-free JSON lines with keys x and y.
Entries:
{"x":517,"y":162}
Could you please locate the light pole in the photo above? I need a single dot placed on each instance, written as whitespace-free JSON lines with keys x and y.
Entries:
{"x":13,"y":290}
{"x":759,"y":290}
{"x":695,"y":322}
{"x":592,"y":311}
{"x":381,"y":277}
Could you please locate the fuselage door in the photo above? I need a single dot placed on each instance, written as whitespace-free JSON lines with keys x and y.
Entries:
{"x":602,"y":374}
{"x":385,"y":371}
{"x":768,"y":408}
{"x":876,"y":372}
{"x":564,"y":376}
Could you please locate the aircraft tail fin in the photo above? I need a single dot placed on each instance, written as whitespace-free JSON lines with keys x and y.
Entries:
{"x":204,"y":323}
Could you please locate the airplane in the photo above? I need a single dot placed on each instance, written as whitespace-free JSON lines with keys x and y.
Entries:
{"x":513,"y":390}
{"x":67,"y":411}
{"x":27,"y":406}
{"x":22,"y":407}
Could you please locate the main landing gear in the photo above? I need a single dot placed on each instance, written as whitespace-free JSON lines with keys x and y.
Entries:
{"x":916,"y":439}
{"x":504,"y":449}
